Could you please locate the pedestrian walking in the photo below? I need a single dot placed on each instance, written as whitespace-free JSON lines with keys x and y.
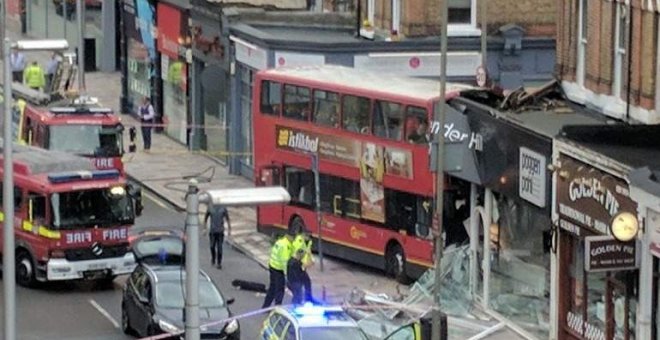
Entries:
{"x":147,"y":114}
{"x":17,"y":61}
{"x":280,"y":254}
{"x":217,"y":215}
{"x":294,"y":276}
{"x":34,"y":77}
{"x":303,"y":242}
{"x":51,"y":70}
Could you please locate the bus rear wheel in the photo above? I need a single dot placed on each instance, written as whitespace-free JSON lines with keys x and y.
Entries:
{"x":25,"y":275}
{"x":395,"y":263}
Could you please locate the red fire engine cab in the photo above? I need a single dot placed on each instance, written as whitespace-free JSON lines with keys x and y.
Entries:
{"x":83,"y":129}
{"x":71,"y":220}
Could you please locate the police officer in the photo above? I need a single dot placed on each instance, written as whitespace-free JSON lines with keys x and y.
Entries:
{"x":280,"y":254}
{"x":304,"y":243}
{"x":218,"y":215}
{"x":294,"y":276}
{"x":34,"y":77}
{"x":147,"y":114}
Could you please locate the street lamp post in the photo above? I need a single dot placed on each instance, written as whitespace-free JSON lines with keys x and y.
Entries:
{"x":227,"y":198}
{"x":8,"y":258}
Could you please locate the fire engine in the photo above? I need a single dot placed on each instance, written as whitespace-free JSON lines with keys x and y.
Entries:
{"x":81,"y":128}
{"x":71,"y":220}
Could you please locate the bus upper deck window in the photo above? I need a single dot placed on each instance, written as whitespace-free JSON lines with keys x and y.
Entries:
{"x":326,"y":108}
{"x":271,"y":97}
{"x":417,"y":125}
{"x":356,"y":114}
{"x":296,"y":102}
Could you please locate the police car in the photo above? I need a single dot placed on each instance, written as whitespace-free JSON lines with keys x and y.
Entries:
{"x":309,"y":322}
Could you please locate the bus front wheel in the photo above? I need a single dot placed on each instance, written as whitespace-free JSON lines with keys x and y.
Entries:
{"x":25,"y":275}
{"x":395,"y":263}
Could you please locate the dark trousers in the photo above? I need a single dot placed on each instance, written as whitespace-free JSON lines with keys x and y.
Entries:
{"x":215,"y":242}
{"x":17,"y":76}
{"x":307,"y":285}
{"x":146,"y":136}
{"x":296,"y":289}
{"x":49,"y":83}
{"x":275,"y":288}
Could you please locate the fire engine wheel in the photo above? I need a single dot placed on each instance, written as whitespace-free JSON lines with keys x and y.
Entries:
{"x":395,"y":263}
{"x":25,"y":275}
{"x":297,"y":225}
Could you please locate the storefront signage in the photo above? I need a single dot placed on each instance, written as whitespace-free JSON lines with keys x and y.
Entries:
{"x":396,"y":161}
{"x":604,"y":253}
{"x":578,"y":325}
{"x":455,"y":135}
{"x":588,"y":198}
{"x":171,"y":31}
{"x":288,"y":59}
{"x":532,"y":176}
{"x":419,"y":63}
{"x":653,"y":227}
{"x":249,"y":54}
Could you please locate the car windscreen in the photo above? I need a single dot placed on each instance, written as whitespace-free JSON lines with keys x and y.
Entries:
{"x":104,"y":207}
{"x":169,"y":294}
{"x":86,"y":140}
{"x":331,"y":333}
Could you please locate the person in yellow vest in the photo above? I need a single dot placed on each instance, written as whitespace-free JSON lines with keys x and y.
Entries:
{"x":34,"y":77}
{"x":280,"y":254}
{"x":303,"y":242}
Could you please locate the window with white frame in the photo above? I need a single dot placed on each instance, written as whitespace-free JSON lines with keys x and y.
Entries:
{"x":582,"y":41}
{"x":396,"y":15}
{"x":619,"y":48}
{"x":461,"y":12}
{"x":371,"y":11}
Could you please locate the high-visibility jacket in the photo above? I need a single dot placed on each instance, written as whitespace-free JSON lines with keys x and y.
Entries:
{"x":280,"y":254}
{"x":300,"y":243}
{"x":34,"y":77}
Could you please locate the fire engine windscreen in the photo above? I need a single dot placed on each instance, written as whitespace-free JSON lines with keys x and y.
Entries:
{"x":105,"y":207}
{"x":86,"y":140}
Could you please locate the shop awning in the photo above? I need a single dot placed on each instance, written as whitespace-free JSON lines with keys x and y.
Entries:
{"x":281,"y":4}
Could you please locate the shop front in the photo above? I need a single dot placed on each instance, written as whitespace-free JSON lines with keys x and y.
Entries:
{"x":597,"y":274}
{"x":645,"y":189}
{"x":138,"y":53}
{"x":173,"y":43}
{"x":210,"y":82}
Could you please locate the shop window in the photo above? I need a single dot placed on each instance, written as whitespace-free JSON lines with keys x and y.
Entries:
{"x":326,"y":108}
{"x":356,"y":114}
{"x":271,"y":97}
{"x":417,"y":125}
{"x":300,"y":184}
{"x":582,"y":41}
{"x":296,"y":102}
{"x":388,"y":119}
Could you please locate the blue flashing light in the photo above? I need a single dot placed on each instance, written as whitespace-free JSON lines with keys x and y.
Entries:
{"x":308,"y":309}
{"x":63,"y":177}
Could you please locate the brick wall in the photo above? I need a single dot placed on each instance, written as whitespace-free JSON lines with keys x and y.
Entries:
{"x":647,"y":59}
{"x":567,"y":30}
{"x":422,"y":17}
{"x":592,"y":48}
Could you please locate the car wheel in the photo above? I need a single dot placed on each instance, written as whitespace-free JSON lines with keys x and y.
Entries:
{"x":125,"y":321}
{"x":297,"y":225}
{"x":395,"y":263}
{"x":25,"y":275}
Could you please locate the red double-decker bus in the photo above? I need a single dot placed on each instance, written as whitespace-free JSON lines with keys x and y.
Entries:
{"x":83,"y":129}
{"x":371,"y":135}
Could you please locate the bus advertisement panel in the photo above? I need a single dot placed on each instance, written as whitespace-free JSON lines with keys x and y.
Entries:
{"x":371,"y":134}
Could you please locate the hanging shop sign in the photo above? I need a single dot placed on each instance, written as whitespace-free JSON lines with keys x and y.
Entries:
{"x":588,"y":199}
{"x":605,"y":253}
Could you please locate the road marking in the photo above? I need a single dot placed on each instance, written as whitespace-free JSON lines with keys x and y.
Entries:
{"x":104,"y":313}
{"x":156,"y":200}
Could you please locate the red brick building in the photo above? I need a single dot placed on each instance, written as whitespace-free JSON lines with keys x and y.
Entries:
{"x":607,"y":56}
